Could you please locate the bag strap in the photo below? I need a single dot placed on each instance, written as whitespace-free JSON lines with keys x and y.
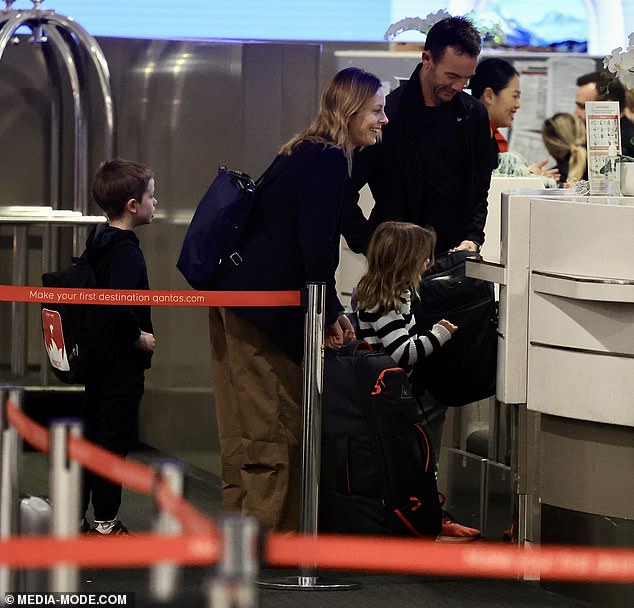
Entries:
{"x":272,"y":171}
{"x":354,"y":347}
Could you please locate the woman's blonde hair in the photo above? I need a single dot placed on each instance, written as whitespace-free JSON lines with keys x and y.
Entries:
{"x":397,"y":257}
{"x":564,"y":136}
{"x":343,"y":97}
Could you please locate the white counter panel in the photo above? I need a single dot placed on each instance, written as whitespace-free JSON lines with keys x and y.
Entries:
{"x":584,"y":239}
{"x":512,"y":325}
{"x":604,"y":327}
{"x":583,"y":386}
{"x":493,"y":228}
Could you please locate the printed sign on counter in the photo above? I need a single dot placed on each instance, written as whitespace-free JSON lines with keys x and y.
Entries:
{"x":602,"y":130}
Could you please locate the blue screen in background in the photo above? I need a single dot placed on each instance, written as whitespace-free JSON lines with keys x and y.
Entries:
{"x":362,"y":20}
{"x":538,"y":22}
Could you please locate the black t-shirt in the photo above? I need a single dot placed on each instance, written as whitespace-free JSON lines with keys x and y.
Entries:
{"x":439,"y":143}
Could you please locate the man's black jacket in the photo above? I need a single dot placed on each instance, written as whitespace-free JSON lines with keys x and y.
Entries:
{"x":394,"y":175}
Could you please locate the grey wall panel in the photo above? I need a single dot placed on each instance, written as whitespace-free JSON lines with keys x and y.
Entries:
{"x":183,"y":107}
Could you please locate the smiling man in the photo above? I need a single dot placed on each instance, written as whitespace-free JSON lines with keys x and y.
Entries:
{"x":432,"y":168}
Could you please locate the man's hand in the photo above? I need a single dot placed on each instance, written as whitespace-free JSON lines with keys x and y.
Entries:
{"x":467,"y":246}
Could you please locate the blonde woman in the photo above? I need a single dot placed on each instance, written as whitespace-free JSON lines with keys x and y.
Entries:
{"x":292,"y":238}
{"x":564,"y":136}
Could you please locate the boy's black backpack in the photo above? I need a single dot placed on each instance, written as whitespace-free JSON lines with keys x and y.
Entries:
{"x":377,"y":467}
{"x":464,"y":369}
{"x":74,"y":334}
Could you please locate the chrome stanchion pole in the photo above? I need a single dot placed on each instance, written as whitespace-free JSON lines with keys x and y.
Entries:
{"x":308,"y":578}
{"x":165,"y":576}
{"x":9,"y":482}
{"x":65,"y":489}
{"x":233,"y":585}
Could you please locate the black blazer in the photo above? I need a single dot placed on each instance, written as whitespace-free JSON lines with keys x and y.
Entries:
{"x":292,"y":238}
{"x":394,"y":175}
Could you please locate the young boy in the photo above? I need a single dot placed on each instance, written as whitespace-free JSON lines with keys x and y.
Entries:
{"x":114,"y":385}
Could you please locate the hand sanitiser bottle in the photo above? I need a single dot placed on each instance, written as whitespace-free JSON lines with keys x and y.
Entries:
{"x":612,"y":174}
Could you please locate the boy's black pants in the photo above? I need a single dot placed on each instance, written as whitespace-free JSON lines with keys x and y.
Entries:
{"x":111,"y":412}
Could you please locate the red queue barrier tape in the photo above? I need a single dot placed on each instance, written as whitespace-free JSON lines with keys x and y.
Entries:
{"x":135,"y":550}
{"x":133,"y":475}
{"x":30,"y":431}
{"x":137,"y":297}
{"x":190,"y":519}
{"x":410,"y":556}
{"x":479,"y":559}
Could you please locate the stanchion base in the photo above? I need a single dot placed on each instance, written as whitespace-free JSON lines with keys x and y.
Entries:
{"x":306,"y":583}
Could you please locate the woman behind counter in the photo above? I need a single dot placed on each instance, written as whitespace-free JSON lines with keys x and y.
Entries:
{"x":292,"y":238}
{"x":564,"y":136}
{"x":496,"y":83}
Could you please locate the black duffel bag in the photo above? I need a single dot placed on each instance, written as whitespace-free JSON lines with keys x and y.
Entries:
{"x":464,"y":369}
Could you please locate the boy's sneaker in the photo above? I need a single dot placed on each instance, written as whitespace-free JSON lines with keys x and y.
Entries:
{"x":107,"y":528}
{"x":84,"y":527}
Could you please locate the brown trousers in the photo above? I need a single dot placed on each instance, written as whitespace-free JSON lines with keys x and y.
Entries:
{"x":258,"y":395}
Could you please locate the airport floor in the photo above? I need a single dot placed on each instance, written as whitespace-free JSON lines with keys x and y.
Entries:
{"x":376,"y":590}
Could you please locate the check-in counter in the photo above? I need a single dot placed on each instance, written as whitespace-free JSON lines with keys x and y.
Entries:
{"x":581,"y":374}
{"x":566,"y":363}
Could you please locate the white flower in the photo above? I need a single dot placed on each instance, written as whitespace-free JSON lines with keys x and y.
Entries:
{"x":486,"y":28}
{"x":627,"y":60}
{"x":415,"y":23}
{"x":613,"y":61}
{"x":627,"y":78}
{"x":621,"y":63}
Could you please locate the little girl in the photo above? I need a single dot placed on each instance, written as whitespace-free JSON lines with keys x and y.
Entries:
{"x":398,"y":255}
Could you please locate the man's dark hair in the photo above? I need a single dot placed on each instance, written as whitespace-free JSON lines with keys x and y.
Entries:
{"x":116,"y":182}
{"x":608,"y":88}
{"x":456,"y":32}
{"x":494,"y":73}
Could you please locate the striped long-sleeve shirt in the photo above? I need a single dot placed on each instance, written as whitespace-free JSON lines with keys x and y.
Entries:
{"x":398,"y":334}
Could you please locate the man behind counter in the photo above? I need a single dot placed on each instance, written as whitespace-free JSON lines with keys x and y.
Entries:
{"x":598,"y":86}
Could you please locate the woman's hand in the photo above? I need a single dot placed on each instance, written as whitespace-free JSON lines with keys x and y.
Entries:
{"x":540,"y":169}
{"x":339,"y":333}
{"x":145,"y":342}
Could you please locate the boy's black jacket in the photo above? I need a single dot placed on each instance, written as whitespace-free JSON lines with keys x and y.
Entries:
{"x":118,"y":263}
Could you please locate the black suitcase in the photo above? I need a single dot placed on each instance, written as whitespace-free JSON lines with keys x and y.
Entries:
{"x":377,"y":472}
{"x":464,"y":369}
{"x":34,"y":518}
